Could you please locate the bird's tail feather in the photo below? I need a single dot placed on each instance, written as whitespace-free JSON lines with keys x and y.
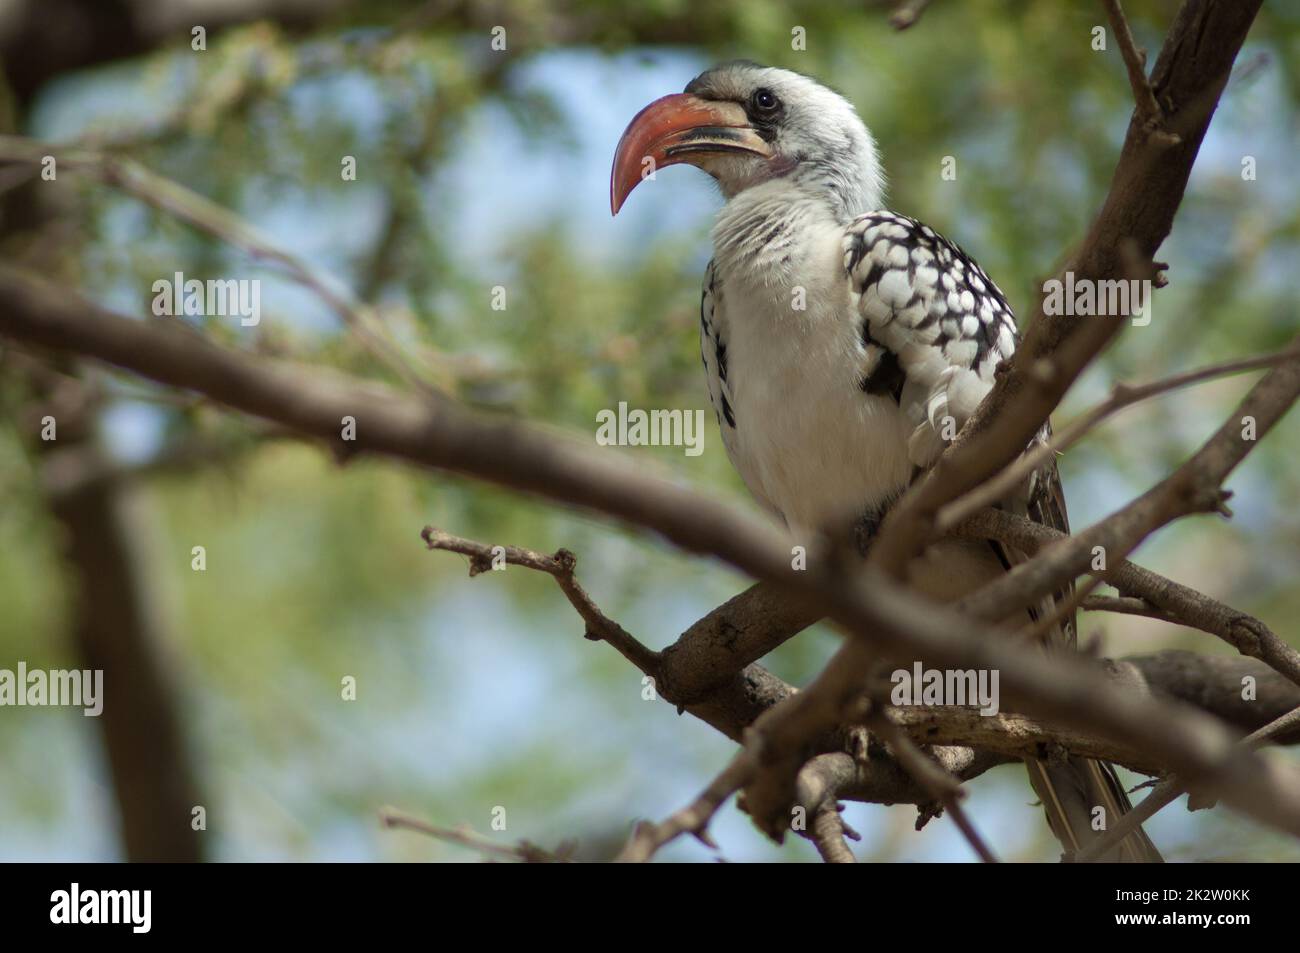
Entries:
{"x":1082,"y":798}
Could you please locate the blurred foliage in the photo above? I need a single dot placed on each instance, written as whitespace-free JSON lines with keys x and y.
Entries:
{"x":476,"y":694}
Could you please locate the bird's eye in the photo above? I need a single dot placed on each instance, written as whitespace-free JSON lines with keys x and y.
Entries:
{"x":765,"y":101}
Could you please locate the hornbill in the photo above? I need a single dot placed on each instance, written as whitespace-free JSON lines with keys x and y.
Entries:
{"x":845,"y":345}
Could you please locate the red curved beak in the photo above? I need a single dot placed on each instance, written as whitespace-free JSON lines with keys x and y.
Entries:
{"x":678,"y":128}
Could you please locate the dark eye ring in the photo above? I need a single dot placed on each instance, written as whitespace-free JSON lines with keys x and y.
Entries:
{"x":765,"y":101}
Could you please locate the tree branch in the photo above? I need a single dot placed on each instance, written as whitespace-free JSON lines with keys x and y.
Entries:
{"x":1212,"y":684}
{"x":436,"y":432}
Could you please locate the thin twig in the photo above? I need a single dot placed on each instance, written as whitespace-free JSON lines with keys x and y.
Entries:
{"x":648,"y":837}
{"x":524,"y":851}
{"x":1169,"y":790}
{"x":1135,"y":61}
{"x":560,"y":566}
{"x":1122,"y":395}
{"x":1128,"y":605}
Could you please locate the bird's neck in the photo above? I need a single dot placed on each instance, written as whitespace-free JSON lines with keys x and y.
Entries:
{"x":767,"y":229}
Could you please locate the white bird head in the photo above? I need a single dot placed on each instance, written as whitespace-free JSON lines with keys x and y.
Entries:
{"x":746,"y":124}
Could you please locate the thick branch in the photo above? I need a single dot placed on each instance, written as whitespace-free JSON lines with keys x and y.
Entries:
{"x":1012,"y":736}
{"x":740,"y":631}
{"x":1217,"y":683}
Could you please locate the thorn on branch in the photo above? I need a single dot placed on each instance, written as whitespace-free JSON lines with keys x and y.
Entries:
{"x":705,"y":838}
{"x":849,"y":832}
{"x":925,"y":813}
{"x":1214,"y":499}
{"x":907,"y":13}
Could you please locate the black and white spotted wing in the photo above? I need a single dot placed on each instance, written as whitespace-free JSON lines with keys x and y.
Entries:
{"x":928,"y":304}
